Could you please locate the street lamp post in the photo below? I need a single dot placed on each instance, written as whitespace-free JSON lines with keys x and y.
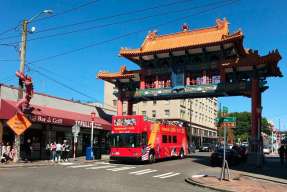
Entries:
{"x":22,"y":67}
{"x":93,"y":115}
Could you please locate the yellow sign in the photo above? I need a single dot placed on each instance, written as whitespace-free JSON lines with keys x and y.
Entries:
{"x":19,"y":123}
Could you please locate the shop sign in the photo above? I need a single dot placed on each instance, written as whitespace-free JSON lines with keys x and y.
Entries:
{"x":46,"y":119}
{"x":88,"y":124}
{"x":19,"y":123}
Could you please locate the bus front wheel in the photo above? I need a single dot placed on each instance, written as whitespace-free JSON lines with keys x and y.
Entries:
{"x":151,"y":158}
{"x":181,"y":154}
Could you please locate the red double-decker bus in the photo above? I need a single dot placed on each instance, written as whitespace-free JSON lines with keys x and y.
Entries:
{"x":134,"y":138}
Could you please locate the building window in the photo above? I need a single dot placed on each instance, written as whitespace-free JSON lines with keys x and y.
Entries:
{"x":134,"y":113}
{"x":169,"y":139}
{"x":154,"y":102}
{"x":144,"y":113}
{"x":124,"y":113}
{"x":154,"y":113}
{"x":174,"y":139}
{"x":182,"y":114}
{"x":166,"y":113}
{"x":164,"y":139}
{"x":115,"y":102}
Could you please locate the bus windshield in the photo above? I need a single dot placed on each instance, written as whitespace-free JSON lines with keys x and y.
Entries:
{"x":128,"y":140}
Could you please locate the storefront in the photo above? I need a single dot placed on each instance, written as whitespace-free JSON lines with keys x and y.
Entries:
{"x":50,"y":124}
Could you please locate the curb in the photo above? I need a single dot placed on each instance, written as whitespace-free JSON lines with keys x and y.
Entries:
{"x":266,"y":179}
{"x":190,"y":181}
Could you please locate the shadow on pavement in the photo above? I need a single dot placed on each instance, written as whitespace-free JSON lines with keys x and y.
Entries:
{"x":271,"y":167}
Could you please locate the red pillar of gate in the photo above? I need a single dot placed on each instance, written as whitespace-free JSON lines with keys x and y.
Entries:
{"x":255,"y":107}
{"x":120,"y":106}
{"x":130,"y":107}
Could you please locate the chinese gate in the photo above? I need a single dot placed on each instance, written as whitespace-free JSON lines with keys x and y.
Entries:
{"x":207,"y":62}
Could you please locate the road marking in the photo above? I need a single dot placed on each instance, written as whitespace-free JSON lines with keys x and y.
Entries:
{"x":163,"y":174}
{"x":144,"y":170}
{"x":172,"y":175}
{"x":66,"y":163}
{"x":103,"y":163}
{"x":101,"y":167}
{"x":150,"y":171}
{"x":81,"y":166}
{"x":121,"y":168}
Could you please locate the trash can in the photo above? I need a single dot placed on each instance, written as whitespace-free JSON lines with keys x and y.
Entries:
{"x":98,"y":153}
{"x":89,"y":153}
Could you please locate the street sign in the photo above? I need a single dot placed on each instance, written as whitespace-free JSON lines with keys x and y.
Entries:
{"x":19,"y":123}
{"x":229,"y":119}
{"x":224,"y":109}
{"x":229,"y":122}
{"x":76,"y":129}
{"x":226,"y":119}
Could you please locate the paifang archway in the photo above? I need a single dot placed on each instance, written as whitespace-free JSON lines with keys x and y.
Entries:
{"x":207,"y":62}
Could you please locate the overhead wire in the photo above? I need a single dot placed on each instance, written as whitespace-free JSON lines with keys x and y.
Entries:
{"x":129,"y":33}
{"x":52,"y":16}
{"x":60,"y":27}
{"x":69,"y":87}
{"x":76,"y":8}
{"x":9,"y":29}
{"x":136,"y":11}
{"x":122,"y":22}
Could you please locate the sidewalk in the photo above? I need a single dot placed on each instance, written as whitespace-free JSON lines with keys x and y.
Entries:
{"x":238,"y":183}
{"x":272,"y":177}
{"x":41,"y":163}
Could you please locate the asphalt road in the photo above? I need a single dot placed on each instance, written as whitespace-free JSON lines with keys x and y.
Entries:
{"x":164,"y":176}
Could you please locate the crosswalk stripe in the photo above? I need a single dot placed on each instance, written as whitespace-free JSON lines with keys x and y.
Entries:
{"x":139,"y":171}
{"x":68,"y":163}
{"x":150,"y":171}
{"x":103,"y":163}
{"x":121,"y":168}
{"x":163,"y":174}
{"x":101,"y":167}
{"x":81,"y":166}
{"x":169,"y":175}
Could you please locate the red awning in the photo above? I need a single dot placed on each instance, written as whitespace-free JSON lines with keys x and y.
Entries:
{"x":49,"y":115}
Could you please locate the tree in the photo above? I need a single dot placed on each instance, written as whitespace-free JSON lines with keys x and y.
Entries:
{"x":243,"y":125}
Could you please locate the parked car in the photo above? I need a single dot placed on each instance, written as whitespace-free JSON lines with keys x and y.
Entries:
{"x":242,"y":150}
{"x":205,"y":147}
{"x":232,"y":157}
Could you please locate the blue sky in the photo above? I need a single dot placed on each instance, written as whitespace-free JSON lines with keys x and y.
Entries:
{"x":264,"y":25}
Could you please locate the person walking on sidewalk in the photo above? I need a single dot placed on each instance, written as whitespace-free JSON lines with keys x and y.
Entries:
{"x":66,"y":150}
{"x":58,"y":151}
{"x":53,"y":151}
{"x":28,"y":150}
{"x":48,"y":151}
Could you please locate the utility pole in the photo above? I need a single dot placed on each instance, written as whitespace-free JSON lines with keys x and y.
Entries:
{"x":22,"y":67}
{"x":20,"y":89}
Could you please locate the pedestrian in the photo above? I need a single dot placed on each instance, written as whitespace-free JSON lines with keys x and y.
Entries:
{"x":53,"y":151}
{"x":48,"y":151}
{"x":66,"y":150}
{"x":28,"y":150}
{"x":282,"y":153}
{"x":58,"y":151}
